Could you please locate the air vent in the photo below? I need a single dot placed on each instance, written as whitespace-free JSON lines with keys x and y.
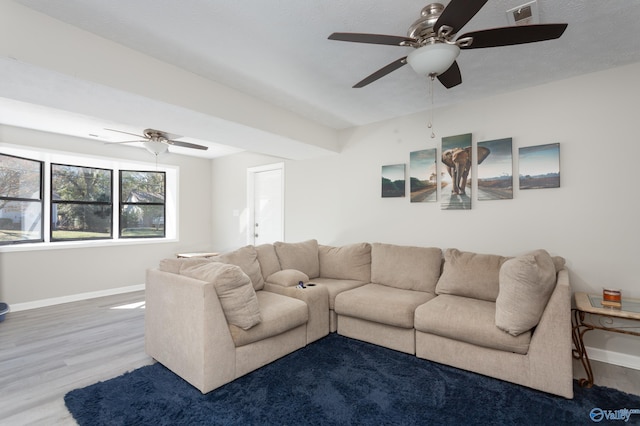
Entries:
{"x":525,"y":14}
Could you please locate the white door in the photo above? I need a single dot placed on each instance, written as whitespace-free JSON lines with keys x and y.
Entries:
{"x":266,"y":201}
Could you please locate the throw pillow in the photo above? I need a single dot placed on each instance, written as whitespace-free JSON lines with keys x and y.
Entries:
{"x":234,"y":289}
{"x":247,"y":259}
{"x":526,"y":284}
{"x":302,"y":256}
{"x":288,"y":278}
{"x":470,"y":274}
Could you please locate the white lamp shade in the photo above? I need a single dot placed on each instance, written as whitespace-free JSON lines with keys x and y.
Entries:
{"x":155,"y":147}
{"x":433,"y":58}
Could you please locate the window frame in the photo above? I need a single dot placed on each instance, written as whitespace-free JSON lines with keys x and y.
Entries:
{"x":48,"y":156}
{"x":40,"y":200}
{"x":53,"y":202}
{"x":122,"y":204}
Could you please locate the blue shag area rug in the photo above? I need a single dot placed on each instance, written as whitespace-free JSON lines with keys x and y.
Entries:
{"x":341,"y":381}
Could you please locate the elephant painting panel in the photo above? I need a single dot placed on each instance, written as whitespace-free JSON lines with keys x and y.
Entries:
{"x":457,"y":157}
{"x":424,"y":176}
{"x":495,"y":175}
{"x":540,"y":166}
{"x":393,"y":180}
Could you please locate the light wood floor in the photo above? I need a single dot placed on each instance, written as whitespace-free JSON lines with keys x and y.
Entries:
{"x":47,"y":352}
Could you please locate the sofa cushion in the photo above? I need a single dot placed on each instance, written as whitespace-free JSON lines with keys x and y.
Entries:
{"x":234,"y":289}
{"x":279,"y":314}
{"x":406,"y":267}
{"x":470,"y":275}
{"x":335,"y":287}
{"x":288,"y":278}
{"x":302,"y":256}
{"x":247,"y":259}
{"x":268,"y":259}
{"x":349,"y":262}
{"x":526,"y":284}
{"x":381,"y":304}
{"x":173,"y":265}
{"x":468,"y":320}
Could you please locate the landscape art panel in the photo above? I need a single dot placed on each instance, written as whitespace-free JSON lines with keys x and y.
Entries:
{"x":495,"y":173}
{"x":393,"y":180}
{"x":423,"y":176}
{"x":539,"y":166}
{"x":456,"y":179}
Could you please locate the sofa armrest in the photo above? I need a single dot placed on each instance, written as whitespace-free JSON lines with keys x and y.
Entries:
{"x":550,"y":350}
{"x":317,"y":300}
{"x":186,"y":330}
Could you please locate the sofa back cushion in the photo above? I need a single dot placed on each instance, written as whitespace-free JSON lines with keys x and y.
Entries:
{"x":350,"y":262}
{"x":406,"y":267}
{"x":526,"y":284}
{"x":470,"y":275}
{"x":173,"y":265}
{"x":234,"y":289}
{"x":302,"y":256}
{"x":268,"y":259}
{"x":247,"y":259}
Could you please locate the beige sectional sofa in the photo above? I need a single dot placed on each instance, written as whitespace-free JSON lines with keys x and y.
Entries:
{"x":214,"y":320}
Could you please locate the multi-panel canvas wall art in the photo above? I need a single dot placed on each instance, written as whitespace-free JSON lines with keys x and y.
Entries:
{"x":539,"y":166}
{"x":456,"y":182}
{"x":393,"y":180}
{"x":423,"y":176}
{"x":495,"y":173}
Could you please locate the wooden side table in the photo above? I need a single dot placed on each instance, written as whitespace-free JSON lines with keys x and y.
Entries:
{"x":589,"y":314}
{"x":197,"y":254}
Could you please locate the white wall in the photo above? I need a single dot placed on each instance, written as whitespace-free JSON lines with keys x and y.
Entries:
{"x":591,"y":219}
{"x":37,"y":275}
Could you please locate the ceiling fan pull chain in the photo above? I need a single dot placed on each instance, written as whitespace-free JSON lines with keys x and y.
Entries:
{"x":430,"y":124}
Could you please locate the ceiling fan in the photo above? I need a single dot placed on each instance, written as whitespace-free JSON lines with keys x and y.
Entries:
{"x":157,"y":142}
{"x":432,"y":37}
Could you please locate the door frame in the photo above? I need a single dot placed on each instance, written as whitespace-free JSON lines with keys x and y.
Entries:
{"x":251,"y":172}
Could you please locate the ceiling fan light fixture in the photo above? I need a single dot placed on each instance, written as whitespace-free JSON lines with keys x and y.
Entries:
{"x":433,"y":59}
{"x":155,"y":147}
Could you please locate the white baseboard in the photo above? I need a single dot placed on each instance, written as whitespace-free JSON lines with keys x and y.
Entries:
{"x":74,"y":298}
{"x":615,"y":358}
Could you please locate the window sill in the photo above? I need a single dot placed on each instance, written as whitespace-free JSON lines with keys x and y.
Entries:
{"x":62,"y":245}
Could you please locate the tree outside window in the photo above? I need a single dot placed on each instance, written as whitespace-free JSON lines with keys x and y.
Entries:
{"x":81,"y":203}
{"x":21,"y":205}
{"x":142,"y":204}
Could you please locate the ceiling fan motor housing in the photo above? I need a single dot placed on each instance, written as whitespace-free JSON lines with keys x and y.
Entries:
{"x":422,"y":28}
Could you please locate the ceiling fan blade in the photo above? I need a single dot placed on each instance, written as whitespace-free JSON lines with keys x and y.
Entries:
{"x":381,"y":72}
{"x":458,"y":13}
{"x":508,"y":36}
{"x":187,"y":145}
{"x":372,"y":38}
{"x":451,"y":77}
{"x":126,"y":133}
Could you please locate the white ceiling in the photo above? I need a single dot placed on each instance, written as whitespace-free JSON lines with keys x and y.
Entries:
{"x":278,"y":51}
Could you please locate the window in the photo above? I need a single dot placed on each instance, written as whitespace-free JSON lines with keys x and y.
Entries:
{"x":81,"y":203}
{"x":58,"y":200}
{"x":142,"y":204}
{"x":21,"y":204}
